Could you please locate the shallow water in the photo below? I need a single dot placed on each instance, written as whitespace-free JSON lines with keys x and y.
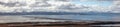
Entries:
{"x":107,"y":25}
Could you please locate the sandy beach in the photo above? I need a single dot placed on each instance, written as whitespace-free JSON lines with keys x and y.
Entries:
{"x":22,"y":21}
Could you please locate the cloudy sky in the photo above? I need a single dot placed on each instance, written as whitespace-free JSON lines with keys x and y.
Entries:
{"x":112,"y":6}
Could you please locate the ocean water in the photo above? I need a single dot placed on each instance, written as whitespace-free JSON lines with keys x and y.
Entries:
{"x":71,"y":17}
{"x":85,"y":17}
{"x":82,"y":17}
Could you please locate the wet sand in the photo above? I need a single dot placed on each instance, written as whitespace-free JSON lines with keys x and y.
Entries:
{"x":37,"y":24}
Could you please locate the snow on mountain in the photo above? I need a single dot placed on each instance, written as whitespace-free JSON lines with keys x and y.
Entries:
{"x":48,"y":6}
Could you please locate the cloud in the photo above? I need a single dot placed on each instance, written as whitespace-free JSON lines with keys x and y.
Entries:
{"x":115,"y":7}
{"x":49,"y":6}
{"x":31,"y":5}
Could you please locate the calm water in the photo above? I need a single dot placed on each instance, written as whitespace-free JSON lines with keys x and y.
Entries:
{"x":85,"y":17}
{"x":81,"y":17}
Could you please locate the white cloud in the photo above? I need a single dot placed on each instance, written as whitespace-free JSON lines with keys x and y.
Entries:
{"x":115,"y":7}
{"x":48,"y":6}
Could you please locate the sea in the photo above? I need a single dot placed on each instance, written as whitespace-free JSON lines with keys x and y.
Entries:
{"x":82,"y":17}
{"x":78,"y":17}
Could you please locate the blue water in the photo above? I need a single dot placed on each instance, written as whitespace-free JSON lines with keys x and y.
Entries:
{"x":80,"y":17}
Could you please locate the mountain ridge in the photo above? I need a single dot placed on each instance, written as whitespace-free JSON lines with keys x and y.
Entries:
{"x":58,"y":13}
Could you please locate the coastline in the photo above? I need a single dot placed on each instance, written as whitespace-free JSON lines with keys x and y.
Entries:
{"x":20,"y":21}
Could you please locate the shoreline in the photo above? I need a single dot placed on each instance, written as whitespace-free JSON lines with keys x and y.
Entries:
{"x":37,"y":24}
{"x":55,"y":24}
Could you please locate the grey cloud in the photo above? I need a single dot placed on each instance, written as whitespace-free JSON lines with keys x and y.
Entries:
{"x":115,"y":7}
{"x":72,"y":7}
{"x":45,"y":5}
{"x":36,"y":5}
{"x":64,"y":0}
{"x":69,"y":6}
{"x":41,"y":0}
{"x":41,"y":4}
{"x":8,"y":4}
{"x":12,"y":4}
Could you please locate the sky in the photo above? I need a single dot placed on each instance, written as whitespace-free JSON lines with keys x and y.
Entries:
{"x":60,"y":6}
{"x":105,"y":3}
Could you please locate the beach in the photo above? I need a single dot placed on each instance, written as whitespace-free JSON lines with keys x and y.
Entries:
{"x":36,"y":21}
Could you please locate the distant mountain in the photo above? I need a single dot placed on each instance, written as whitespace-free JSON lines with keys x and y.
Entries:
{"x":38,"y":13}
{"x":58,"y":13}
